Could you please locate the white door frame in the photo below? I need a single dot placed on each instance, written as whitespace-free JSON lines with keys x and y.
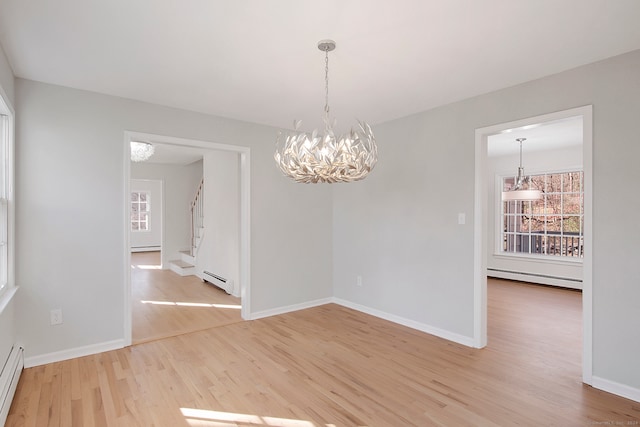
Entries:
{"x":245,"y":219}
{"x":480,"y":228}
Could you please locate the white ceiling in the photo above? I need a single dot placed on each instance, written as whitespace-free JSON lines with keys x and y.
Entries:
{"x":257,"y":60}
{"x":175,"y":154}
{"x":546,"y":136}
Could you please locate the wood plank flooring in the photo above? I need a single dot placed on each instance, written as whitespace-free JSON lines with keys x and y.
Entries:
{"x":332,"y":366}
{"x":165,"y":304}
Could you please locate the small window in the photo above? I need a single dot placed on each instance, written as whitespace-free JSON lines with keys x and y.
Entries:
{"x":140,"y":209}
{"x":552,"y":226}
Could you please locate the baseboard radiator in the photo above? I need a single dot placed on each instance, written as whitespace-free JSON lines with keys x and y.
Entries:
{"x":145,"y":248}
{"x":9,"y":380}
{"x":544,"y":279}
{"x":218,"y":281}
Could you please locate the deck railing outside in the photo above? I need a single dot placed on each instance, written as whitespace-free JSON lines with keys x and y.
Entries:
{"x":550,"y":243}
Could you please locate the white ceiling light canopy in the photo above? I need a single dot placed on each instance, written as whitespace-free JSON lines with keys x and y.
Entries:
{"x":518,"y":192}
{"x":141,"y":151}
{"x":314,"y":158}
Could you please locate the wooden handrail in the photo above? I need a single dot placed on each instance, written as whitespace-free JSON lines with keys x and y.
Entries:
{"x":198,"y":191}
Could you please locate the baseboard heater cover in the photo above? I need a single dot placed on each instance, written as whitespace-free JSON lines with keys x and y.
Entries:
{"x":145,"y":248}
{"x":545,"y":276}
{"x":9,"y":380}
{"x":218,"y":281}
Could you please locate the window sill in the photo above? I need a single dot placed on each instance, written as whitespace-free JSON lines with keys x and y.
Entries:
{"x":539,"y":258}
{"x":6,"y":297}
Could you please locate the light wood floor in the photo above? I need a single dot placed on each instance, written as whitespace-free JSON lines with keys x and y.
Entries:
{"x":332,"y":366}
{"x":164,"y":304}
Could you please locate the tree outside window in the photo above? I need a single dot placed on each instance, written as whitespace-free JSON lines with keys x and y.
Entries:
{"x":550,"y":226}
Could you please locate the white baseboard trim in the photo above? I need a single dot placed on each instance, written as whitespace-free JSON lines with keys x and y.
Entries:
{"x":622,"y":390}
{"x":460,"y":339}
{"x":290,"y":308}
{"x":542,"y":280}
{"x":146,"y":249}
{"x":432,"y":330}
{"x":72,"y":353}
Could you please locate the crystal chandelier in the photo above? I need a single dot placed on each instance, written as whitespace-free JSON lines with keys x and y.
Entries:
{"x":313,"y":157}
{"x":518,"y":192}
{"x":141,"y":151}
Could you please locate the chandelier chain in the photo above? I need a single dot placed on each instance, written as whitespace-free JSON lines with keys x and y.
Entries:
{"x":520,"y":141}
{"x":326,"y":80}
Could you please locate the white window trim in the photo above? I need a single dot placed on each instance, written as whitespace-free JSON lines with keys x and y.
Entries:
{"x":9,"y":289}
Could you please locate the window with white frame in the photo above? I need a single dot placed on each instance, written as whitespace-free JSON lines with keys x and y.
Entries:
{"x":552,"y":226}
{"x":4,"y":201}
{"x":140,"y":209}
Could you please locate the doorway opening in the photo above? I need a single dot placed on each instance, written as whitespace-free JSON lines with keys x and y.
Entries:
{"x":484,"y":219}
{"x":165,"y":268}
{"x":147,"y":208}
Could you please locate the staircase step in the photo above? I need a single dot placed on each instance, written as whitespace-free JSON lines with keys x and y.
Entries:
{"x":182,"y":268}
{"x":187,"y":257}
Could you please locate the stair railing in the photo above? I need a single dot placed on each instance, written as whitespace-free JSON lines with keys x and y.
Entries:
{"x":197,"y":216}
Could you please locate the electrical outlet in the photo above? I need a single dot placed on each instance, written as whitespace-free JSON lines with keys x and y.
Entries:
{"x":359,"y":281}
{"x":56,"y":316}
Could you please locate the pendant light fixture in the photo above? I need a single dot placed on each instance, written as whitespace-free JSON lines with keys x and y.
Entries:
{"x":314,"y":158}
{"x":141,"y":151}
{"x":518,"y":192}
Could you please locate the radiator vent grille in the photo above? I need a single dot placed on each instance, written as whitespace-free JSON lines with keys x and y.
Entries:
{"x":219,"y":281}
{"x":215,"y":276}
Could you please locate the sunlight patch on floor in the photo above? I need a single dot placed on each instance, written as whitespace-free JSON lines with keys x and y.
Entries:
{"x":193,"y":304}
{"x":203,"y":417}
{"x":146,"y":267}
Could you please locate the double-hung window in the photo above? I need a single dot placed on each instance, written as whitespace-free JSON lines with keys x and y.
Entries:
{"x":140,"y":211}
{"x":552,"y":226}
{"x":5,"y":196}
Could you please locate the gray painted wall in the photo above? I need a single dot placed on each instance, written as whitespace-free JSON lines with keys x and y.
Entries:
{"x":71,"y":145}
{"x":398,"y":228}
{"x":219,"y":251}
{"x":6,"y":77}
